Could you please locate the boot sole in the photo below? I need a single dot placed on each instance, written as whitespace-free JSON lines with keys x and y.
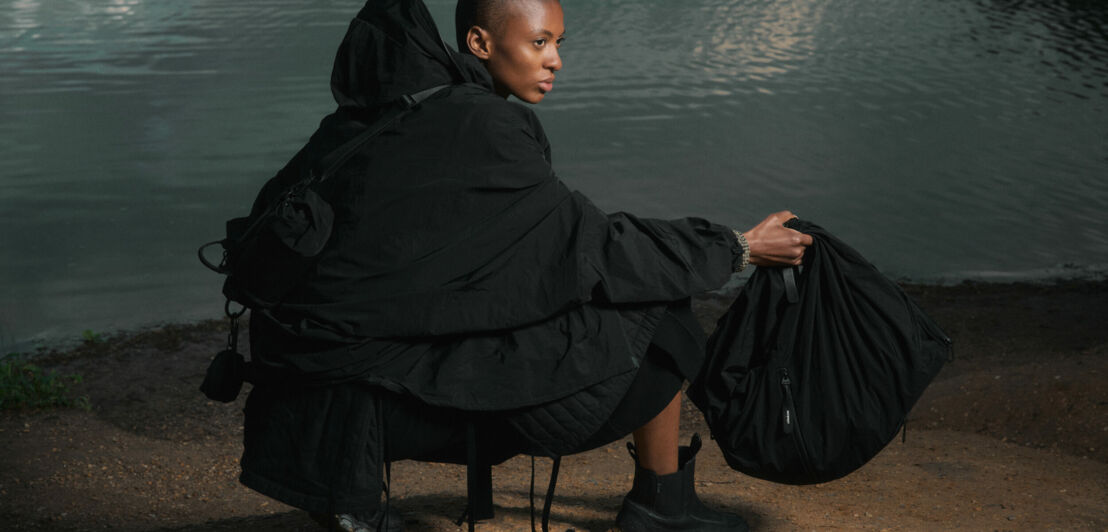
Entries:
{"x":634,"y":517}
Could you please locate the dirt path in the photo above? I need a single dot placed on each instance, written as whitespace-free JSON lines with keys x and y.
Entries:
{"x":1012,"y":436}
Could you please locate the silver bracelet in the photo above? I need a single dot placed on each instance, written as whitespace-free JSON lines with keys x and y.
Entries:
{"x":746,"y":251}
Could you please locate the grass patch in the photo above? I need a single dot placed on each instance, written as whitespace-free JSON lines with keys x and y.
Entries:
{"x":89,"y":337}
{"x":26,"y":385}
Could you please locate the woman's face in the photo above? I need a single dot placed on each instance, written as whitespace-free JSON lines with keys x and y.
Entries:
{"x":522,"y":54}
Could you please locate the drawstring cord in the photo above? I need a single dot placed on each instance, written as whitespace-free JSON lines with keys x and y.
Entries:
{"x":549,"y":499}
{"x":472,"y":483}
{"x":550,"y":494}
{"x":383,"y":523}
{"x":532,"y":494}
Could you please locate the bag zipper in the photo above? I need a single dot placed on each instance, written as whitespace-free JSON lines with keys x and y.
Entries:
{"x":790,"y":425}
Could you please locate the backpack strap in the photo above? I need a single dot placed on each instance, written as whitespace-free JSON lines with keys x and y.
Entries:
{"x":332,"y":161}
{"x":478,"y":482}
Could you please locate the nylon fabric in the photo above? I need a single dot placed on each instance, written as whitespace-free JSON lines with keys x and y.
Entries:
{"x":457,"y":250}
{"x":460,"y":272}
{"x":810,"y":391}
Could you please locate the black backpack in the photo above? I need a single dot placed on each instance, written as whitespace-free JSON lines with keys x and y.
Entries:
{"x":267,"y":254}
{"x":812,"y":370}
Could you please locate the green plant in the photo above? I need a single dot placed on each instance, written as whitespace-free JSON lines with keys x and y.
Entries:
{"x":26,"y":385}
{"x":91,"y":337}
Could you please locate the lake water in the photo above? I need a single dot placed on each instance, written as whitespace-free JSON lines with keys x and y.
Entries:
{"x":946,"y":140}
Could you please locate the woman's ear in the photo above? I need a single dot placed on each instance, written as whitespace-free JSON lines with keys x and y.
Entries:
{"x":477,"y":39}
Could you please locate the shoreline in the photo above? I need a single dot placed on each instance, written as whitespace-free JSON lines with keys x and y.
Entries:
{"x":1013,"y":434}
{"x":39,"y":347}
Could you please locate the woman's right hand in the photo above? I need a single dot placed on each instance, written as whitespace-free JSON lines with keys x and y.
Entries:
{"x":773,"y":244}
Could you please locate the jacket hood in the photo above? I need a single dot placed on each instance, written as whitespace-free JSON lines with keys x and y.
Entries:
{"x":393,"y":48}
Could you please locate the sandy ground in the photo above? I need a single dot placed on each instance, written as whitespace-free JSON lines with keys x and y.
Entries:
{"x":1013,"y":435}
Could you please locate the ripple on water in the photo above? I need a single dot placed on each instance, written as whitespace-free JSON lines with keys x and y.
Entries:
{"x":943,"y":138}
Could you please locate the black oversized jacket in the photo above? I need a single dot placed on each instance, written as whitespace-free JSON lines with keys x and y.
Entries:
{"x":460,"y":270}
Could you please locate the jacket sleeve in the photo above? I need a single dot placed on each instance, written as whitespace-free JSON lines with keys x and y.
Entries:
{"x":621,"y":257}
{"x":631,"y":259}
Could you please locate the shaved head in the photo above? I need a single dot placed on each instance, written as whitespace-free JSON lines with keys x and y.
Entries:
{"x":488,"y":14}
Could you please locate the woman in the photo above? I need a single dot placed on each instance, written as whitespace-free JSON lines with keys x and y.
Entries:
{"x":468,"y":306}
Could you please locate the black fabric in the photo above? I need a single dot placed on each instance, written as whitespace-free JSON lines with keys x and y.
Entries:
{"x":269,"y":252}
{"x":655,"y":385}
{"x":299,"y":439}
{"x":611,"y":409}
{"x":307,"y":447}
{"x":457,"y":250}
{"x":418,"y":431}
{"x":809,"y":391}
{"x":460,"y":270}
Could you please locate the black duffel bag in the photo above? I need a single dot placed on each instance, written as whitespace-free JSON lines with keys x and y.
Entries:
{"x":812,"y":370}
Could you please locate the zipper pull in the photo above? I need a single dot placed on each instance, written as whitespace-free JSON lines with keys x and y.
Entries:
{"x":787,"y":414}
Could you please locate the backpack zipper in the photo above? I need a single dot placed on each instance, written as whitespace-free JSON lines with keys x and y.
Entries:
{"x":790,"y":425}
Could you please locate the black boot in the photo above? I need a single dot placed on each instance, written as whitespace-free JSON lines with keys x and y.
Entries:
{"x":373,"y":522}
{"x":659,"y":503}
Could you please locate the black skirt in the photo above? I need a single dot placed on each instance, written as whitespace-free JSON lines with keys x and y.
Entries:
{"x":413,"y":430}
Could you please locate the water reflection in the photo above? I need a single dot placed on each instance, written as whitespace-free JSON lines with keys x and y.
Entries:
{"x":1067,"y":37}
{"x":751,"y":43}
{"x":852,"y":113}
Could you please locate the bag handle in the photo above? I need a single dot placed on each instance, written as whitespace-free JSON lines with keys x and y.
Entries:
{"x":221,"y":268}
{"x":792,"y":294}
